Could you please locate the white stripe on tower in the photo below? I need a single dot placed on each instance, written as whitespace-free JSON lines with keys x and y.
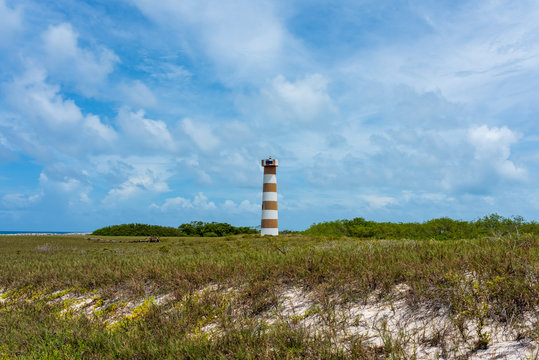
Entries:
{"x":270,"y":222}
{"x":270,"y":178}
{"x":269,"y":196}
{"x":269,"y":214}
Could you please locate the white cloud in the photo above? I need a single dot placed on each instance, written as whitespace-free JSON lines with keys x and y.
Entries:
{"x":67,"y":61}
{"x":376,"y":202}
{"x":199,"y":202}
{"x":141,"y":180}
{"x":136,"y":94}
{"x":153,"y":134}
{"x":133,"y":178}
{"x":97,"y":130}
{"x":492,"y":142}
{"x":135,"y":186}
{"x":7,"y":150}
{"x":65,"y":184}
{"x":176,"y":203}
{"x":32,"y":96}
{"x":115,"y":169}
{"x":347,"y":104}
{"x":236,"y":132}
{"x":243,"y":207}
{"x":73,"y":191}
{"x":17,"y":201}
{"x":44,"y":122}
{"x":163,"y":70}
{"x":247,"y":37}
{"x":436,"y":197}
{"x":303,"y":100}
{"x":245,"y":170}
{"x":473,"y":53}
{"x":201,"y":134}
{"x":61,"y":41}
{"x":493,"y":145}
{"x":10,"y":22}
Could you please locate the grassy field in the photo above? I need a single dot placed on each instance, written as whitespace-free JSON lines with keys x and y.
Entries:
{"x":272,"y":298}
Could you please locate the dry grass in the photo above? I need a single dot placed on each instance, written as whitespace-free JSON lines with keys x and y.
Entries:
{"x":251,"y":297}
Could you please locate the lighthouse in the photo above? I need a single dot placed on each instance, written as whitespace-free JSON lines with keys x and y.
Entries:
{"x":270,"y":220}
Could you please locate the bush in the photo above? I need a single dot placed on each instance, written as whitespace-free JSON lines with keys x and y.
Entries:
{"x":199,"y":228}
{"x":137,"y":230}
{"x":444,"y":228}
{"x":195,"y":228}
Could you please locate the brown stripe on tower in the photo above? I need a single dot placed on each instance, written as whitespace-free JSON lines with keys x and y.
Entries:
{"x":270,"y":187}
{"x":270,"y":223}
{"x":269,"y":205}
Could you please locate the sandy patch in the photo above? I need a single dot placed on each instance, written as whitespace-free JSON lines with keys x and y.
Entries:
{"x":423,"y":333}
{"x":420,"y":332}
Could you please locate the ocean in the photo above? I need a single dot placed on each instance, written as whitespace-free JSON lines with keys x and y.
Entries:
{"x":42,"y":233}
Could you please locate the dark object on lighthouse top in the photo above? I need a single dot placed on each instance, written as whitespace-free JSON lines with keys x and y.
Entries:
{"x":270,"y":162}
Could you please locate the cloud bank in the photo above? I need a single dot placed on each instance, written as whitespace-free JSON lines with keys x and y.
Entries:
{"x":160,"y":112}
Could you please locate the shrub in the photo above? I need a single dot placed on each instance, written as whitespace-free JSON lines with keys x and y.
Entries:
{"x":137,"y":230}
{"x":199,"y":228}
{"x":444,"y":228}
{"x":195,"y":228}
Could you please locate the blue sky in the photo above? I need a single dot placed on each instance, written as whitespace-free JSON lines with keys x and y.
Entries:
{"x":160,"y":111}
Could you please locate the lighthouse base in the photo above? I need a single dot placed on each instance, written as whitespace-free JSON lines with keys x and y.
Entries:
{"x":269,"y":231}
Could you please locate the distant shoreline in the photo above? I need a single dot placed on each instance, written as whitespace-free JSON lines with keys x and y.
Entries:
{"x":42,"y":233}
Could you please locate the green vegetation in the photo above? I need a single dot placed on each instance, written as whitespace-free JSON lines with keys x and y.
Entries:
{"x":137,"y":230}
{"x":439,"y":229}
{"x":199,"y":228}
{"x":222,"y":291}
{"x":195,"y":228}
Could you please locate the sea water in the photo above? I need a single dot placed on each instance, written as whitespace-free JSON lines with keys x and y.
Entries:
{"x":42,"y":233}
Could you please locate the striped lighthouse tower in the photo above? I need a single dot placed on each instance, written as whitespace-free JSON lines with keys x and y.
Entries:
{"x":269,"y":198}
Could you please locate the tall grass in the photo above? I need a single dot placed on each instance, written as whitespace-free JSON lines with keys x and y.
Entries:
{"x":461,"y":275}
